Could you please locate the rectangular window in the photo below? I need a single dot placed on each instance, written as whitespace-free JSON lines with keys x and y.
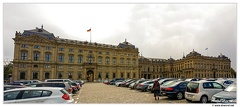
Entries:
{"x":24,"y":45}
{"x":22,"y":75}
{"x":107,"y":53}
{"x":128,"y":75}
{"x":128,"y":62}
{"x":122,"y":61}
{"x":107,"y":61}
{"x":47,"y":66}
{"x":114,"y":61}
{"x":36,"y":46}
{"x":99,"y":52}
{"x":79,"y":59}
{"x":61,"y":49}
{"x":47,"y":75}
{"x":107,"y":75}
{"x":70,"y":50}
{"x":60,"y":75}
{"x":121,"y":75}
{"x":36,"y":57}
{"x":35,"y":75}
{"x":99,"y":75}
{"x":60,"y":66}
{"x":79,"y":67}
{"x":100,"y":60}
{"x":70,"y":75}
{"x":48,"y":57}
{"x":48,"y":47}
{"x":71,"y":58}
{"x":24,"y":55}
{"x":90,"y":59}
{"x":61,"y":58}
{"x":23,"y":66}
{"x":134,"y":62}
{"x":134,"y":75}
{"x":79,"y":75}
{"x":114,"y":75}
{"x":80,"y":51}
{"x":70,"y":67}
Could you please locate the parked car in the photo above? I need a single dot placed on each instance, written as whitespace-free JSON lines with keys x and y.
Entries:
{"x":65,"y":85}
{"x":37,"y":95}
{"x":113,"y":82}
{"x":17,"y":84}
{"x":58,"y":80}
{"x":132,"y":85}
{"x":175,"y":89}
{"x":75,"y":87}
{"x":130,"y":82}
{"x":229,"y":95}
{"x":161,"y":82}
{"x":81,"y":82}
{"x":124,"y":82}
{"x":138,"y":82}
{"x":25,"y":82}
{"x":145,"y":84}
{"x":193,"y":79}
{"x":166,"y":84}
{"x":224,"y":82}
{"x":202,"y":90}
{"x":8,"y":87}
{"x":106,"y":82}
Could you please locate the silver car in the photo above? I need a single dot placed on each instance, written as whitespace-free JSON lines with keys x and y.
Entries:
{"x":202,"y":90}
{"x":44,"y":95}
{"x":229,"y":95}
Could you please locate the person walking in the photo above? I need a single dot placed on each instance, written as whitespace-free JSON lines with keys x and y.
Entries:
{"x":156,"y":89}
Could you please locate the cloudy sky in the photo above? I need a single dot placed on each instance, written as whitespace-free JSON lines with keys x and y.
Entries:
{"x":158,"y":30}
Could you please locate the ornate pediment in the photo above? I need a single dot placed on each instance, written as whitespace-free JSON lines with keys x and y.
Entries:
{"x":35,"y":39}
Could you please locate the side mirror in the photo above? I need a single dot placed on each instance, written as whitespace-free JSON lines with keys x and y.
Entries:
{"x":223,"y":88}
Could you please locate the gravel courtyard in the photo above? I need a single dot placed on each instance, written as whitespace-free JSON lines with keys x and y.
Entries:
{"x":93,"y":93}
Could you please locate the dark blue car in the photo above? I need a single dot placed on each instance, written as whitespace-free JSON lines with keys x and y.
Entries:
{"x":175,"y":90}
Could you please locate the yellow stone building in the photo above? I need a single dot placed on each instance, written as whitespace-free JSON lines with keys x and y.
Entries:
{"x":40,"y":55}
{"x":194,"y":65}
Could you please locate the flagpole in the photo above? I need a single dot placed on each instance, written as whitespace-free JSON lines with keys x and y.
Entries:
{"x":91,"y":35}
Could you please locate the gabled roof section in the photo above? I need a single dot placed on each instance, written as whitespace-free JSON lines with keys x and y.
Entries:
{"x":193,"y":53}
{"x":39,"y":31}
{"x":126,"y":44}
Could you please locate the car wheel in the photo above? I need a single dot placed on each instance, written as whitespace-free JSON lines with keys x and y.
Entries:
{"x":179,"y":96}
{"x":204,"y":99}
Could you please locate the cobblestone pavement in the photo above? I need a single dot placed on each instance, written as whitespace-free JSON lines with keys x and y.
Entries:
{"x":92,"y":93}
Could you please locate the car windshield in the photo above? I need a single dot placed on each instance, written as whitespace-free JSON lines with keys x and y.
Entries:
{"x":168,"y":82}
{"x":231,"y":87}
{"x":174,"y":83}
{"x":160,"y":81}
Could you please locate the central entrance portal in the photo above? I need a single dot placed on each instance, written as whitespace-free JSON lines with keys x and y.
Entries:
{"x":90,"y":76}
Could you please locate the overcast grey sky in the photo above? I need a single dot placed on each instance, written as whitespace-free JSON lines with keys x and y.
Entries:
{"x":158,"y":30}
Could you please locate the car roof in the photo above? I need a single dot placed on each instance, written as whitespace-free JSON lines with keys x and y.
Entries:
{"x":35,"y":88}
{"x":13,"y":86}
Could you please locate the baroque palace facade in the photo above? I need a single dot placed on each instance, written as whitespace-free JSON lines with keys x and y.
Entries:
{"x":40,"y":55}
{"x":194,"y":65}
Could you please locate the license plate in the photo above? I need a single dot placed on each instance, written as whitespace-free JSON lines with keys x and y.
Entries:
{"x":189,"y":95}
{"x":163,"y":93}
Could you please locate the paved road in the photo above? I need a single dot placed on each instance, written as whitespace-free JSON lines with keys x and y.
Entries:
{"x":92,"y":93}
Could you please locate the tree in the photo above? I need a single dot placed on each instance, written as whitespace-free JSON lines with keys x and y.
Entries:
{"x":233,"y":72}
{"x":8,"y":70}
